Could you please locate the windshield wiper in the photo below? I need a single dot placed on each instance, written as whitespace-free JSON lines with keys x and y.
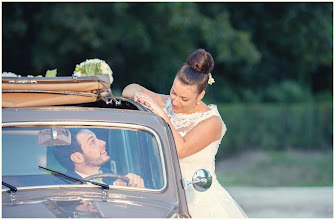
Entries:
{"x":104,"y":186}
{"x":13,"y":189}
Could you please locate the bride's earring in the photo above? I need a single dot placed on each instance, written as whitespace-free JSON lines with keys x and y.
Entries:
{"x":198,"y":102}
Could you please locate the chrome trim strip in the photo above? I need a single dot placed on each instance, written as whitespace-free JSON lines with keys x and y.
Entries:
{"x":100,"y":124}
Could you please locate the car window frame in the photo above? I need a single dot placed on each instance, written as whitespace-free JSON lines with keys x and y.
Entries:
{"x":95,"y":124}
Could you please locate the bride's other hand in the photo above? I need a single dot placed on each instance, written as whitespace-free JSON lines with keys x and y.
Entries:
{"x":137,"y":95}
{"x":145,"y":100}
{"x":148,"y":102}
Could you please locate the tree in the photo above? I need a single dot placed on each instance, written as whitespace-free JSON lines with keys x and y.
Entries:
{"x":255,"y":45}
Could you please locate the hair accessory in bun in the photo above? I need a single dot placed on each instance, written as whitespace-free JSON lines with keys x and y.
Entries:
{"x":210,"y":79}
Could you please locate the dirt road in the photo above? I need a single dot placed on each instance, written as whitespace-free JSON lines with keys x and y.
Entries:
{"x":284,"y":202}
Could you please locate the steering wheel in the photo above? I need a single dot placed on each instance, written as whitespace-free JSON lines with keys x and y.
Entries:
{"x":104,"y":175}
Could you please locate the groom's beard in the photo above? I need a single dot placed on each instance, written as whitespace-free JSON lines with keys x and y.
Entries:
{"x":96,"y":162}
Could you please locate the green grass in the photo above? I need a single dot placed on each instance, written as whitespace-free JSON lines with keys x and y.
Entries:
{"x":277,"y":169}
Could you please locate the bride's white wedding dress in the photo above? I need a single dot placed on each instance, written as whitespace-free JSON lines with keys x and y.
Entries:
{"x":216,"y":201}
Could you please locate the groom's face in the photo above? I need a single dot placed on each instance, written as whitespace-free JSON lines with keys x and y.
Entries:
{"x":94,"y":149}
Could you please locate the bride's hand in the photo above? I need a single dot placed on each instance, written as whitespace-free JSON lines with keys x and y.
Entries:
{"x":148,"y":102}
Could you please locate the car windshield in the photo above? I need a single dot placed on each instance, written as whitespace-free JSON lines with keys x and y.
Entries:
{"x":77,"y":151}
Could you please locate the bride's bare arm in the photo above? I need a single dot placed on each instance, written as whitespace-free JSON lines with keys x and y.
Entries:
{"x":130,"y":90}
{"x":199,"y":137}
{"x":195,"y":140}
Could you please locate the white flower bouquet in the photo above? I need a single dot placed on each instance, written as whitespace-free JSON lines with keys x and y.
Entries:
{"x":93,"y":67}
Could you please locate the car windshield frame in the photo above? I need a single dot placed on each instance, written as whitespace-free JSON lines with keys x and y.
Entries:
{"x":94,"y":124}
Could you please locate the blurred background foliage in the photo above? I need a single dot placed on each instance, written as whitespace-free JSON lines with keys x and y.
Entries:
{"x":273,"y":61}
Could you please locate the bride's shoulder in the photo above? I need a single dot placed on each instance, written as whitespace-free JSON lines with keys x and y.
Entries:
{"x":211,"y":114}
{"x":212,"y":124}
{"x":209,"y":109}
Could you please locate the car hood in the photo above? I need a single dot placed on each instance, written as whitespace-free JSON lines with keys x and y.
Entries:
{"x":85,"y":207}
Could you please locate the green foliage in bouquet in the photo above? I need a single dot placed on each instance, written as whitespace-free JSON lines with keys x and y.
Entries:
{"x":90,"y":69}
{"x":93,"y":67}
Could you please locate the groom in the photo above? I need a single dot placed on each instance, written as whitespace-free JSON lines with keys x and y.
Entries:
{"x":85,"y":156}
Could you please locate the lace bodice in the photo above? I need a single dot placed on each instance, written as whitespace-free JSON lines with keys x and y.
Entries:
{"x":183,"y":123}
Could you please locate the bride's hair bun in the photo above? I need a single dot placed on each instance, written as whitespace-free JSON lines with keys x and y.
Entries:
{"x":196,"y":69}
{"x":201,"y":61}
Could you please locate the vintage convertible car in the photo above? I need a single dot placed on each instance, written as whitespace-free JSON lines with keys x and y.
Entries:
{"x":38,"y":117}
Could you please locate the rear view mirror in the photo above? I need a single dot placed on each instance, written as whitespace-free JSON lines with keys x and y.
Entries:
{"x":54,"y":137}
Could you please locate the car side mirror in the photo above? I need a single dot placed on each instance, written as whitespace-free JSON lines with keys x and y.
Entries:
{"x":201,"y":180}
{"x":54,"y":137}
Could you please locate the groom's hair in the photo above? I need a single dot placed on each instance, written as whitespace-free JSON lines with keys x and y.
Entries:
{"x":63,"y":153}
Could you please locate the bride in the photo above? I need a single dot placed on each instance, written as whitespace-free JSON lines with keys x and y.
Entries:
{"x":197,"y":129}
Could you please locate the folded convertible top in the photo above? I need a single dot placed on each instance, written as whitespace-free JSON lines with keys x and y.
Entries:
{"x":47,"y":91}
